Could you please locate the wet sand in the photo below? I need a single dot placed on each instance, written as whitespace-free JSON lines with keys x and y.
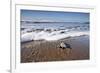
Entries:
{"x":41,"y":51}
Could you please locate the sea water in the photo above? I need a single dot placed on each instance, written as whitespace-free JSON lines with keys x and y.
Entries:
{"x":51,"y":31}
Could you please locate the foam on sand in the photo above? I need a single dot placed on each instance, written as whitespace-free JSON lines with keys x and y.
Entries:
{"x":51,"y":36}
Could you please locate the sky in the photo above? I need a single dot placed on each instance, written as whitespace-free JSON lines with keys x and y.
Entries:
{"x":54,"y":16}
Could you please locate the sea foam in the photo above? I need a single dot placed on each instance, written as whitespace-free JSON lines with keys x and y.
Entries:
{"x":51,"y":36}
{"x":52,"y":31}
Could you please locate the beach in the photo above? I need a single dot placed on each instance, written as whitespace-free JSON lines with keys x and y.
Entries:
{"x":47,"y":36}
{"x":45,"y":51}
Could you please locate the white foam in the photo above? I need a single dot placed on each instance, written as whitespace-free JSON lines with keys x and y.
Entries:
{"x":61,"y":36}
{"x":50,"y":36}
{"x":27,"y":37}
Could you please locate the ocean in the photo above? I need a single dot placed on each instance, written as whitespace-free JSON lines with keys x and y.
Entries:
{"x":52,"y":31}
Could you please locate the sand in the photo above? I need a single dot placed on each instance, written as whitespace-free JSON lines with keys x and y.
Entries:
{"x":44,"y":51}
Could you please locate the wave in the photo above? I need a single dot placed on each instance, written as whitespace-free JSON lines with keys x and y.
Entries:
{"x":50,"y":36}
{"x":52,"y":31}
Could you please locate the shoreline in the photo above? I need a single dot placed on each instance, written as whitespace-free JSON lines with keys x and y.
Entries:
{"x":43,"y":51}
